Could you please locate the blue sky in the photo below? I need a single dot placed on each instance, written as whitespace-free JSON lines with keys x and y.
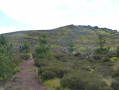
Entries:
{"x":16,"y":15}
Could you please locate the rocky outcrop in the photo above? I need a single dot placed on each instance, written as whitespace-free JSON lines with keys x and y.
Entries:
{"x":96,"y":28}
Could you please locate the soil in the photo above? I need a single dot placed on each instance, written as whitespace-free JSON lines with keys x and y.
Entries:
{"x":27,"y":79}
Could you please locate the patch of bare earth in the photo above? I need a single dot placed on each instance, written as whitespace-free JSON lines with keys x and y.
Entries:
{"x":27,"y":77}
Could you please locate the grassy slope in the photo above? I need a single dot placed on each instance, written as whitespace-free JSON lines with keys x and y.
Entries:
{"x":82,"y":37}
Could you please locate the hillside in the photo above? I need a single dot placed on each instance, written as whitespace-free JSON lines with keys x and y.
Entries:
{"x":82,"y":36}
{"x":95,"y":67}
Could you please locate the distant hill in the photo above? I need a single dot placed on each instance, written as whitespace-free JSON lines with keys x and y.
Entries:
{"x":83,"y":37}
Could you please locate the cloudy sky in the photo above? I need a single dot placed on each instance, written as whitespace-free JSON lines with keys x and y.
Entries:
{"x":48,"y":14}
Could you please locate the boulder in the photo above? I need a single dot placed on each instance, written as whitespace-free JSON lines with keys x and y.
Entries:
{"x":76,"y":53}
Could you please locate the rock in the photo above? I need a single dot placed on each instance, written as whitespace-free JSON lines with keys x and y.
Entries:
{"x":76,"y":53}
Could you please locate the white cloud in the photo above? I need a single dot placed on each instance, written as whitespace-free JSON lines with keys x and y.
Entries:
{"x":46,"y":14}
{"x":6,"y":29}
{"x":3,"y":30}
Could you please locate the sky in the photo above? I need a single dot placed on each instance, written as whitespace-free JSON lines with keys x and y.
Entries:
{"x":17,"y":15}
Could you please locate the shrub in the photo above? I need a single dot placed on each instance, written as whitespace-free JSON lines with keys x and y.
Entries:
{"x":53,"y":83}
{"x":115,"y":85}
{"x":25,"y":57}
{"x":43,"y":50}
{"x":97,"y":57}
{"x":114,"y":59}
{"x":83,"y":81}
{"x":41,"y":62}
{"x":70,"y":46}
{"x":59,"y":56}
{"x":116,"y":74}
{"x":49,"y":72}
{"x":47,"y":75}
{"x":8,"y":61}
{"x":102,"y":51}
{"x":7,"y":66}
{"x":106,"y":59}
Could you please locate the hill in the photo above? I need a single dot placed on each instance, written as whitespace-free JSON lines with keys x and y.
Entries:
{"x":82,"y":36}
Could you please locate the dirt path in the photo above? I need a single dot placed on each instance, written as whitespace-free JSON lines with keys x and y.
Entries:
{"x":26,"y":78}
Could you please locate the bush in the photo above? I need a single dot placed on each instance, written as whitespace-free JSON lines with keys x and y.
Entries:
{"x":83,"y":81}
{"x":53,"y":84}
{"x":7,"y":66}
{"x":101,"y":51}
{"x":59,"y":56}
{"x":49,"y":72}
{"x":115,"y":84}
{"x":25,"y":57}
{"x":47,"y":75}
{"x":116,"y":74}
{"x":106,"y":59}
{"x":8,"y":61}
{"x":97,"y":57}
{"x":43,"y":50}
{"x":41,"y":62}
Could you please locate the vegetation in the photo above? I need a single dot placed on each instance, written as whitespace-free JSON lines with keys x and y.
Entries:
{"x":75,"y":72}
{"x":8,"y":61}
{"x":101,"y":49}
{"x":71,"y":46}
{"x":117,"y":51}
{"x":115,"y":84}
{"x":83,"y":81}
{"x":61,"y":71}
{"x":25,"y":49}
{"x":43,"y":49}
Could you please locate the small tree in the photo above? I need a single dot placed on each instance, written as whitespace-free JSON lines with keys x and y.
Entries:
{"x":100,"y":43}
{"x":43,"y":49}
{"x":7,"y":59}
{"x":70,"y":46}
{"x":3,"y":40}
{"x":5,"y":46}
